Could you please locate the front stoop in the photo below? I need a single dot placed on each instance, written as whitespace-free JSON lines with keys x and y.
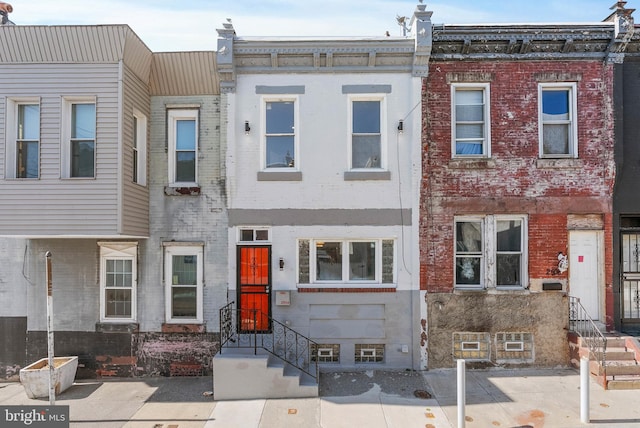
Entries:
{"x":622,"y":363}
{"x":238,"y":374}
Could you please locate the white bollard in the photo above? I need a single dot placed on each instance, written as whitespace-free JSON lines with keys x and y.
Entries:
{"x":461,"y":393}
{"x":584,"y":390}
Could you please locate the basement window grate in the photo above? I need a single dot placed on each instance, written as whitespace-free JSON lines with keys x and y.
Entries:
{"x":366,"y":353}
{"x":514,"y":347}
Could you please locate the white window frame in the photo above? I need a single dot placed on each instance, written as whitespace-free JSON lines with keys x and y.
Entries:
{"x":572,"y":121}
{"x":11,"y":135}
{"x":383,"y":130}
{"x":489,"y":253}
{"x":139,"y":147}
{"x":296,"y":132}
{"x":118,"y":251}
{"x":345,"y":281}
{"x":184,"y":249}
{"x":255,"y":230}
{"x":486,"y":141}
{"x":67,"y":105}
{"x":173,"y":116}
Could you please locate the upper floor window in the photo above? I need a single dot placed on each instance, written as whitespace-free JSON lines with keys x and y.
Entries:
{"x":23,"y":139}
{"x":183,"y":146}
{"x":470,"y":120}
{"x":184,"y":282}
{"x":79,"y":138}
{"x":254,"y":234}
{"x":280,"y":133}
{"x":139,"y":149}
{"x":490,"y":252}
{"x":118,"y":280}
{"x":366,"y":133}
{"x":558,"y":124}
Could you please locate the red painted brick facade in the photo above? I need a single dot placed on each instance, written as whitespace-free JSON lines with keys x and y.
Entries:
{"x":514,"y":180}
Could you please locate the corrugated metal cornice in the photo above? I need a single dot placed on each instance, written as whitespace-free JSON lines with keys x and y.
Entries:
{"x":184,"y":73}
{"x":64,"y":44}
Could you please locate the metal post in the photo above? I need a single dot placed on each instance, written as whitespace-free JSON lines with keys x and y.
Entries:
{"x":584,"y":390}
{"x":461,"y":393}
{"x":52,"y":381}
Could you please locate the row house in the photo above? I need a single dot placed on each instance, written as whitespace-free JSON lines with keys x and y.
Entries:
{"x":110,"y":162}
{"x":401,"y":201}
{"x":323,"y":169}
{"x":516,"y":214}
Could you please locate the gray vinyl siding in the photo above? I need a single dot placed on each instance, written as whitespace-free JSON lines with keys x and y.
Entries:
{"x":51,"y":205}
{"x":135,"y":198}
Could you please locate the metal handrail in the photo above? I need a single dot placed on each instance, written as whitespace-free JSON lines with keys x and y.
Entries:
{"x":581,"y":323}
{"x":279,"y":339}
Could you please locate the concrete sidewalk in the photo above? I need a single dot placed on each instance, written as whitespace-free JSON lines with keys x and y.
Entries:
{"x":495,"y":398}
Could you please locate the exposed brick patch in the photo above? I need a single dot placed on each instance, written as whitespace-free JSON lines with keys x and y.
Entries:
{"x":182,"y":191}
{"x":184,"y":328}
{"x":185,"y":369}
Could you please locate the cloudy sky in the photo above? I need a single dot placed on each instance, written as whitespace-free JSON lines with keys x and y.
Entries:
{"x":190,"y":24}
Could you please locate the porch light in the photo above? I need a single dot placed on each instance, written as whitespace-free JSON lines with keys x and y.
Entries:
{"x":400,"y":126}
{"x":247,"y":128}
{"x":281,"y":263}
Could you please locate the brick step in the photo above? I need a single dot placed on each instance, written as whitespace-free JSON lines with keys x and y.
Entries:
{"x":615,"y":354}
{"x":622,"y":369}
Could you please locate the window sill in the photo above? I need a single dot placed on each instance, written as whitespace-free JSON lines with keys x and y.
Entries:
{"x":366,"y":175}
{"x":563,"y":163}
{"x":347,"y":288}
{"x":182,"y":191}
{"x":117,"y":327}
{"x":519,"y":290}
{"x":472,"y":163}
{"x":279,"y":176}
{"x":169,"y":327}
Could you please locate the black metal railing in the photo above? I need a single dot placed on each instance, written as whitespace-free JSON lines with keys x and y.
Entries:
{"x":252,"y":328}
{"x":581,"y":323}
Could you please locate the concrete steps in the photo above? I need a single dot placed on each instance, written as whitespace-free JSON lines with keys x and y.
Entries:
{"x":238,"y":374}
{"x":622,"y":363}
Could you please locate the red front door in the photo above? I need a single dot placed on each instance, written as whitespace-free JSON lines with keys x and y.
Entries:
{"x":254,"y":288}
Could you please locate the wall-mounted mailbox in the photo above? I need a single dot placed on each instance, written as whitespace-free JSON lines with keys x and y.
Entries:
{"x":283,"y":298}
{"x":552,"y":286}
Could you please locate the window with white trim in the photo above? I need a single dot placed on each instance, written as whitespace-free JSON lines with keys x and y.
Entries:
{"x":470,"y":124}
{"x":367,"y":144}
{"x":490,"y":252}
{"x":558,"y":128}
{"x":184,"y":283}
{"x":118,"y":281}
{"x":354,"y":262}
{"x":254,"y":234}
{"x":280,"y":134}
{"x":79,"y":138}
{"x":139,"y":149}
{"x":183,"y":147}
{"x":23,"y":138}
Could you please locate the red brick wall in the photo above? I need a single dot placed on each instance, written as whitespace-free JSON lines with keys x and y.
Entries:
{"x":513,"y":181}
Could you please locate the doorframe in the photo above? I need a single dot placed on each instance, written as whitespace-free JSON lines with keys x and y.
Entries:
{"x":269,"y":285}
{"x":600,"y":288}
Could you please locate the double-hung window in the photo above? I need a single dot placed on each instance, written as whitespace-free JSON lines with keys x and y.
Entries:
{"x":184,"y":283}
{"x":79,"y":138}
{"x":490,"y":252}
{"x":183,"y":147}
{"x":366,"y":133}
{"x":280,"y":133}
{"x":558,"y":127}
{"x":118,"y":280}
{"x":470,"y":126}
{"x":23,"y":139}
{"x":139,"y":149}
